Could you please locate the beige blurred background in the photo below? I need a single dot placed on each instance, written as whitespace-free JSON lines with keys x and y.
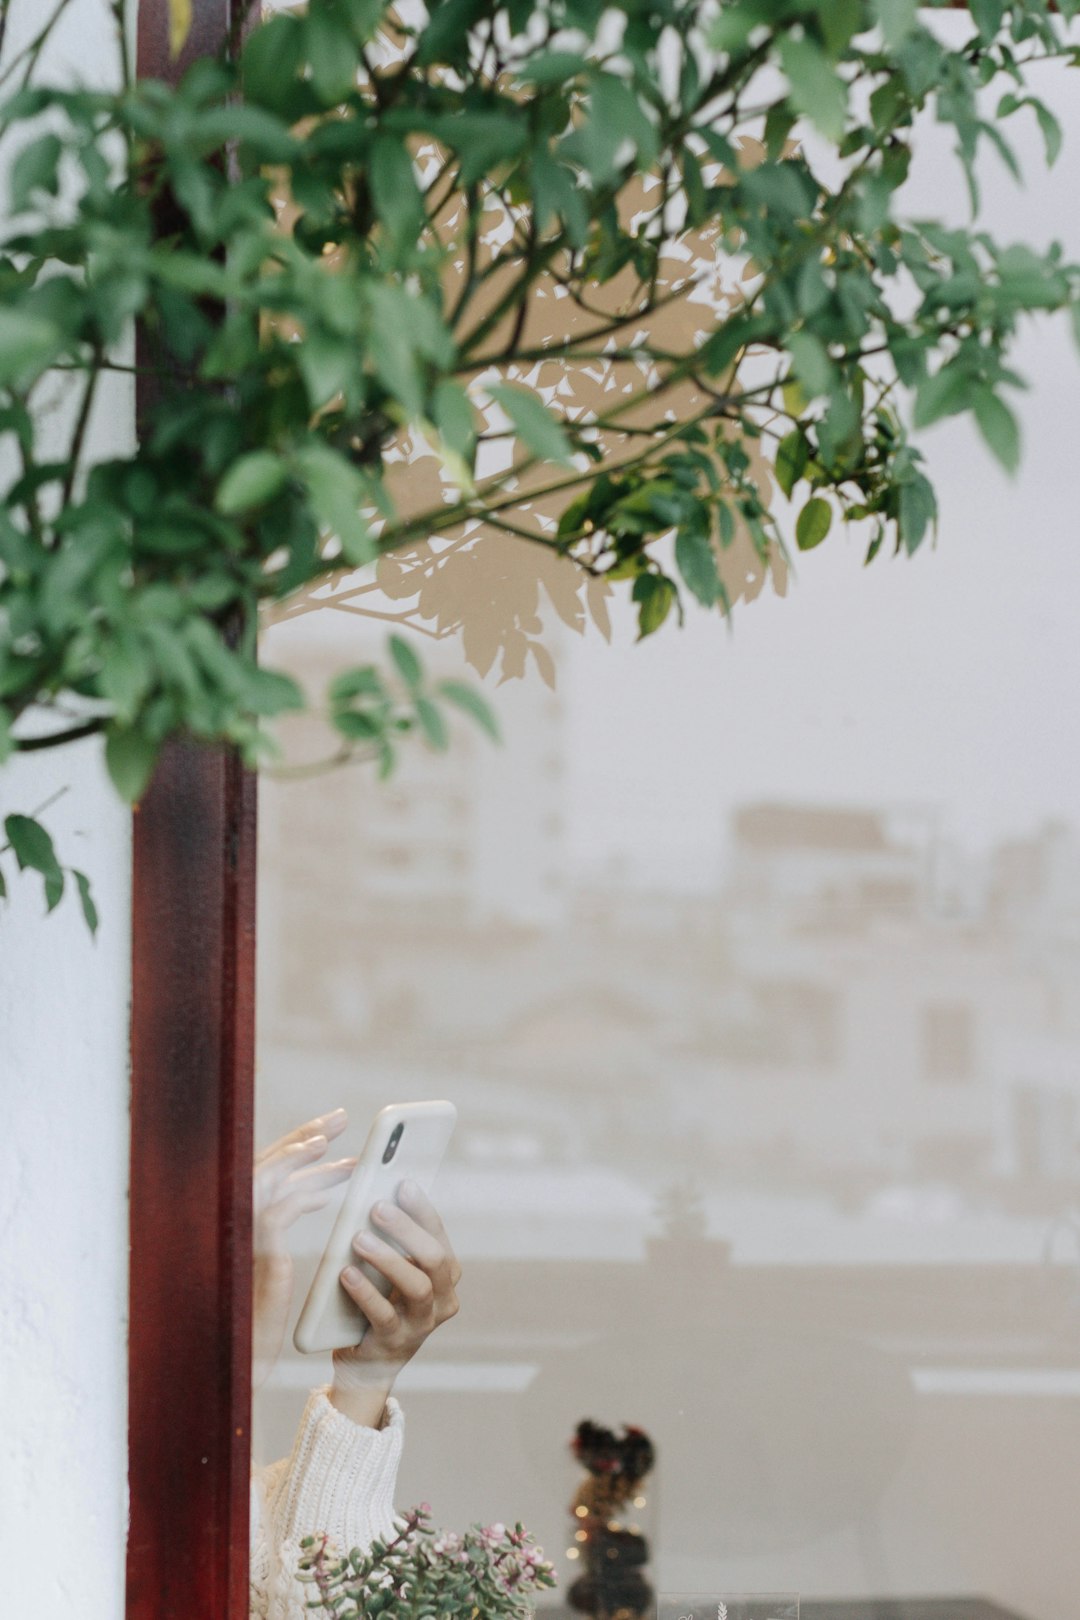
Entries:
{"x":751,"y":964}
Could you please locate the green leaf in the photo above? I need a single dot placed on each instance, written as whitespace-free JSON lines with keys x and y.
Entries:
{"x":781,"y":188}
{"x":356,"y":725}
{"x":364,"y":681}
{"x":27,"y":345}
{"x":35,"y":169}
{"x":31,"y":843}
{"x":337,"y":492}
{"x":987,"y":16}
{"x":454,"y":418}
{"x":655,"y":596}
{"x":896,"y":18}
{"x":616,"y":108}
{"x":552,"y":67}
{"x":792,"y":454}
{"x":332,"y":55}
{"x":126,"y":675}
{"x":813,"y":366}
{"x":483,"y":140}
{"x":731,"y":30}
{"x":947,"y":392}
{"x":408,"y":664}
{"x":696,"y":562}
{"x":33,"y":849}
{"x":544,"y":436}
{"x":446,"y":35}
{"x":471,"y":703}
{"x":269,"y":691}
{"x":394,"y":347}
{"x":918,"y":506}
{"x":795,"y":397}
{"x":432,"y":724}
{"x":812,"y":290}
{"x":269,"y":137}
{"x":86,"y":900}
{"x":329,"y":367}
{"x":398,"y":202}
{"x":839,"y":21}
{"x":250,"y":481}
{"x":813,"y":524}
{"x":1051,"y":131}
{"x":129,"y":757}
{"x":817,"y":90}
{"x":54,"y":888}
{"x":999,"y":428}
{"x":270,"y":66}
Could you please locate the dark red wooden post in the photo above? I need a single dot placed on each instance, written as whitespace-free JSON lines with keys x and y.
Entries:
{"x":193,"y":943}
{"x":192,"y":1049}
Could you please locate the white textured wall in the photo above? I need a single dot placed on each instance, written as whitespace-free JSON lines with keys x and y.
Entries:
{"x":63,"y":1210}
{"x":64,"y":1091}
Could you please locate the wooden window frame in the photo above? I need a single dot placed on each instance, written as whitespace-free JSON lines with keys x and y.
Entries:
{"x":192,"y":1111}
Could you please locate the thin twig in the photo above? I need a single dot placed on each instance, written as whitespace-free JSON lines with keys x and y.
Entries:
{"x":56,"y":739}
{"x":80,"y":432}
{"x":34,"y":47}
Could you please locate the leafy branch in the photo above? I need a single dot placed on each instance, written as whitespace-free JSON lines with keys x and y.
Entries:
{"x":589,"y":275}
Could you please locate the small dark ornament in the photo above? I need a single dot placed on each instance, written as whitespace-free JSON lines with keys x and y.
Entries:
{"x":612,"y":1584}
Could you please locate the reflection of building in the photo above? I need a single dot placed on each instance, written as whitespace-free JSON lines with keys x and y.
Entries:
{"x":871,"y":1008}
{"x":827,"y":864}
{"x":461,"y":840}
{"x":861,"y":1003}
{"x":1035,"y":882}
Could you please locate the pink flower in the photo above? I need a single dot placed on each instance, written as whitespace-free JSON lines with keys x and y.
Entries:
{"x":447,"y":1542}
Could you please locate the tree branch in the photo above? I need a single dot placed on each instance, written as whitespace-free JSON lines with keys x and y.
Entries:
{"x":56,"y":739}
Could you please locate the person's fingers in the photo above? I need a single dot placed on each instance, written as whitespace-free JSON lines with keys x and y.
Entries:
{"x":273,"y":1172}
{"x":415,"y":1202}
{"x":328,"y":1174}
{"x":303,"y":1201}
{"x":328,"y":1125}
{"x":413,"y":1284}
{"x":432,"y":1254}
{"x":376,"y":1307}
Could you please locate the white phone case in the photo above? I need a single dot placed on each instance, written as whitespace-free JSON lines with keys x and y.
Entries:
{"x":330,"y":1320}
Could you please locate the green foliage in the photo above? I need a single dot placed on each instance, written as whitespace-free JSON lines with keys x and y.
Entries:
{"x":421,"y":1573}
{"x":32,"y":847}
{"x":439,"y":205}
{"x":370,"y":714}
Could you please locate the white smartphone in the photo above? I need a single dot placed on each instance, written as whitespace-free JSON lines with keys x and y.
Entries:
{"x":407,"y":1141}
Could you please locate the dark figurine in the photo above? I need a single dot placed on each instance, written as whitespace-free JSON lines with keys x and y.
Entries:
{"x":612,"y":1583}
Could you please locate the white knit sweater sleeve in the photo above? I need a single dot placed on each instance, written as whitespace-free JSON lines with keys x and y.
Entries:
{"x":338,"y":1479}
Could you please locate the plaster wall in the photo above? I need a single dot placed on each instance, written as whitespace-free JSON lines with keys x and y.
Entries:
{"x":63,"y":1209}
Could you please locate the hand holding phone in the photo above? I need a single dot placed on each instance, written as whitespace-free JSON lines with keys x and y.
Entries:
{"x":408,"y":1248}
{"x":424,"y":1296}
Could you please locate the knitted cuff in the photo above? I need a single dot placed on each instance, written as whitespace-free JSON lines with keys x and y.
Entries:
{"x":341,"y":1476}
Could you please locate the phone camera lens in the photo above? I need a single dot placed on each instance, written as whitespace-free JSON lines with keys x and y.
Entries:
{"x":391,"y":1146}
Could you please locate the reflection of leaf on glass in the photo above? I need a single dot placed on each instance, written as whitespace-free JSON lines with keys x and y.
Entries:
{"x":494,"y":596}
{"x":497,"y":581}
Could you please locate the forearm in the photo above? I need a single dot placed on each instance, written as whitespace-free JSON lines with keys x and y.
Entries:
{"x":359,"y":1390}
